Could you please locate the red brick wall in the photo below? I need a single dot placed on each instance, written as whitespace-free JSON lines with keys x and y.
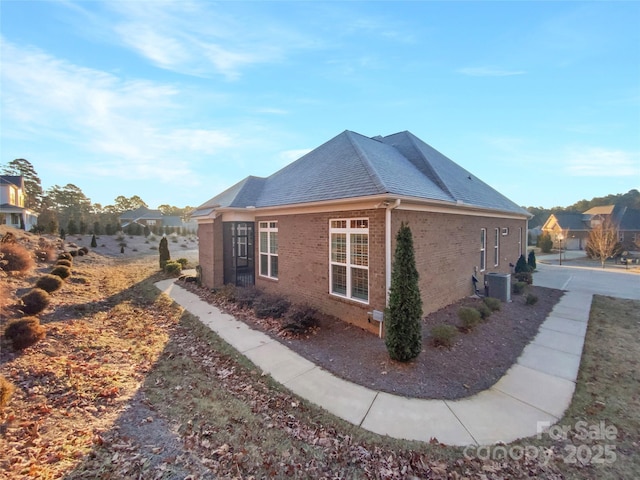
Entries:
{"x":303,"y":264}
{"x":210,"y":253}
{"x":447,"y":249}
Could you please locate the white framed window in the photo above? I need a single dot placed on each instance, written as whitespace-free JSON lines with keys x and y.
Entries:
{"x":483,"y":249}
{"x":496,"y":249}
{"x":349,"y":258}
{"x":520,"y":242}
{"x":268,"y":236}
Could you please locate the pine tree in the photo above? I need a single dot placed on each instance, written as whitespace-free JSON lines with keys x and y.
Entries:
{"x":531,"y":260}
{"x":403,"y":324}
{"x":163,"y":249}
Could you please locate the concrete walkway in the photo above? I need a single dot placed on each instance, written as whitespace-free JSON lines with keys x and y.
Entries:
{"x":537,"y":388}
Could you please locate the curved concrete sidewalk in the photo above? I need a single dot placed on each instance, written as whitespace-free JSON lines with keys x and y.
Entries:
{"x":537,"y":389}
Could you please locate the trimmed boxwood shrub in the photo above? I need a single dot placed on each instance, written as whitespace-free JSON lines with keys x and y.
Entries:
{"x":16,"y":258}
{"x":64,"y":263}
{"x":172,"y":268}
{"x":270,"y":306}
{"x":35,"y":301}
{"x":485,"y":312}
{"x":470,"y":317}
{"x":525,"y":277}
{"x":444,"y":335}
{"x":531,"y":299}
{"x":49,"y":283}
{"x":518,"y":287}
{"x":24,"y":332}
{"x":61,"y":271}
{"x":183,"y":261}
{"x":493,"y":303}
{"x":65,"y":256}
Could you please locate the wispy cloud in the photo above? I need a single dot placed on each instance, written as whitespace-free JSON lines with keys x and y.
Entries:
{"x":601,"y":162}
{"x":489,"y":72}
{"x":124,"y":125}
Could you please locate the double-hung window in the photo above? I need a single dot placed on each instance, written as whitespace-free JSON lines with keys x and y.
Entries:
{"x":349,"y":258}
{"x":483,"y":249}
{"x":268,"y":233}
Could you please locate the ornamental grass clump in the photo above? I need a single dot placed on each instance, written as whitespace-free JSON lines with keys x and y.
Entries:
{"x":172,"y":268}
{"x":65,"y":256}
{"x":444,"y":335}
{"x":24,"y":332}
{"x":16,"y":258}
{"x":35,"y":301}
{"x":470,"y":317}
{"x":61,"y":271}
{"x":49,"y":283}
{"x":6,"y":392}
{"x":64,"y":263}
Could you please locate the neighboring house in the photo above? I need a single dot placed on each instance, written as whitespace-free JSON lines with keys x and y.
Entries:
{"x":573,"y":228}
{"x":321,"y":231}
{"x":154,"y":219}
{"x":12,"y":203}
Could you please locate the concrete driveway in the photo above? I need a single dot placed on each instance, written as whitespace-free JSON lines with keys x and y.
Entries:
{"x":593,"y":280}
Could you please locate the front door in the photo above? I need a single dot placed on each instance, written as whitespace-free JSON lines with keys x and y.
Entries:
{"x":238,"y":247}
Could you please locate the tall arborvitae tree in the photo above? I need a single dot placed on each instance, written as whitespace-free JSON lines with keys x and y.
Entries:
{"x":531,"y":260}
{"x":403,"y":316}
{"x":94,"y":242}
{"x":163,"y":249}
{"x":521,"y":265}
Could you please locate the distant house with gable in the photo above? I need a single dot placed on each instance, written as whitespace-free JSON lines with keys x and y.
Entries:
{"x":321,"y":231}
{"x":573,"y":228}
{"x":12,"y":203}
{"x":155,"y":220}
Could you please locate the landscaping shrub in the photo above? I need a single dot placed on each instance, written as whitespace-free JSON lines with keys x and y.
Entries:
{"x":493,"y":303}
{"x":83,"y":250}
{"x":73,"y":253}
{"x":64,"y":263}
{"x":24,"y":332}
{"x":545,"y":242}
{"x":531,"y":261}
{"x":300,"y":318}
{"x":518,"y":287}
{"x":6,"y":391}
{"x":183,"y":261}
{"x":65,"y":256}
{"x":444,"y":335}
{"x":61,"y":271}
{"x":525,"y":277}
{"x":484,"y":311}
{"x":470,"y":317}
{"x":172,"y":268}
{"x":270,"y":306}
{"x":531,"y":299}
{"x":16,"y":258}
{"x":94,"y":242}
{"x":35,"y":301}
{"x":49,"y":283}
{"x":163,"y":251}
{"x":521,"y":265}
{"x":246,"y":296}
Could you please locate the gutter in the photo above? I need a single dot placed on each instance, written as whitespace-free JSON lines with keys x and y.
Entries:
{"x":387,"y":246}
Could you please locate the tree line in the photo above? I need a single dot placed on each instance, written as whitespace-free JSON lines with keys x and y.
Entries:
{"x":67,"y":210}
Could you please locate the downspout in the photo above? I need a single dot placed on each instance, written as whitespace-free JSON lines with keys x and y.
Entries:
{"x":387,"y":247}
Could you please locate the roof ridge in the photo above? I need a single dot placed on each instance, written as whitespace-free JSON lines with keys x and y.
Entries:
{"x":437,"y":179}
{"x":365,"y":161}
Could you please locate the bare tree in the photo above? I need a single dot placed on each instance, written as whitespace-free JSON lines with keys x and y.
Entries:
{"x":603,"y":241}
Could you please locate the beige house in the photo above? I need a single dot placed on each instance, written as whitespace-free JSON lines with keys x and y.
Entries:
{"x":321,"y":231}
{"x":12,"y":203}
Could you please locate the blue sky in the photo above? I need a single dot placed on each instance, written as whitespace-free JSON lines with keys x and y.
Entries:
{"x":176,"y":101}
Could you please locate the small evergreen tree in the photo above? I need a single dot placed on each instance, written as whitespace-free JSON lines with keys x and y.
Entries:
{"x":163,"y":250}
{"x":403,"y":326}
{"x":531,"y":260}
{"x":545,"y":242}
{"x":94,"y":243}
{"x":521,"y":265}
{"x":63,"y":234}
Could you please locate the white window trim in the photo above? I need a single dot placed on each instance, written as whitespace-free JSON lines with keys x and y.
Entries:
{"x":496,"y":249}
{"x":348,"y":231}
{"x":268,"y":229}
{"x":483,"y":249}
{"x":520,"y":251}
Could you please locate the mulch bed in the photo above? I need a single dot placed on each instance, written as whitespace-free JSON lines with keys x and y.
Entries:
{"x":477,"y":360}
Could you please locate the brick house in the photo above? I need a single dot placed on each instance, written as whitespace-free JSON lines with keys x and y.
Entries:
{"x":13,"y":211}
{"x":574,"y":228}
{"x":322,"y":230}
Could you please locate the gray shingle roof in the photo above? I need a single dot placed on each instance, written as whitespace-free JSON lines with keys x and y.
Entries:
{"x":351,"y":165}
{"x":572,"y":221}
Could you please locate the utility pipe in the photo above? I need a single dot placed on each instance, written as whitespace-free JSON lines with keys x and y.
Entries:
{"x":387,"y":243}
